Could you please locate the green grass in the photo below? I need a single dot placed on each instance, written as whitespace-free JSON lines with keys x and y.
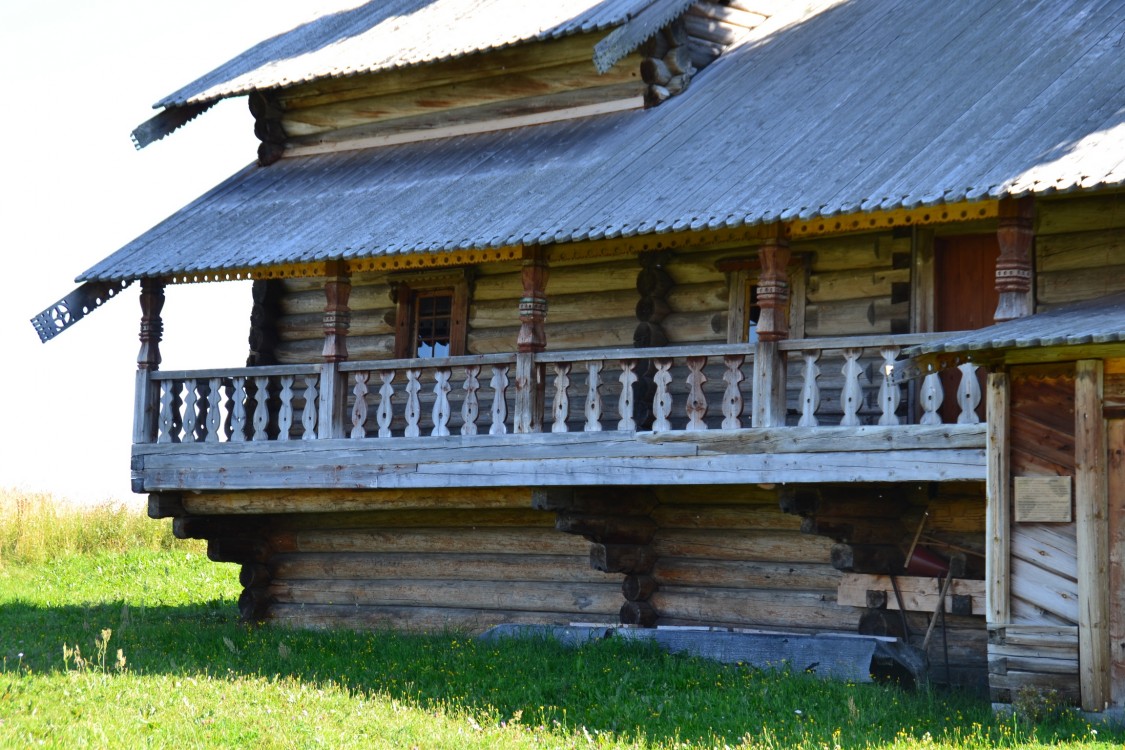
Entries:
{"x":194,"y":677}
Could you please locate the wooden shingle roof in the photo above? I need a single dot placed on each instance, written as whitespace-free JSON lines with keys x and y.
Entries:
{"x":856,"y":106}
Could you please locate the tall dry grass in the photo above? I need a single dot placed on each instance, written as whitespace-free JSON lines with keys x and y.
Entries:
{"x":38,"y":527}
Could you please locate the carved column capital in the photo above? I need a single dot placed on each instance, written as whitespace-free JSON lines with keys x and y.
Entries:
{"x":773,"y":290}
{"x":337,"y":314}
{"x":1016,"y":236}
{"x":152,"y":326}
{"x":533,"y":304}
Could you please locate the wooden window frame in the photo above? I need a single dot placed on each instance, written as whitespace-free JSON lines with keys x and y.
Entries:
{"x":743,"y":279}
{"x":408,"y":289}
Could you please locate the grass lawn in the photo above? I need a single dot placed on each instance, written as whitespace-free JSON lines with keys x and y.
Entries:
{"x":140,"y":647}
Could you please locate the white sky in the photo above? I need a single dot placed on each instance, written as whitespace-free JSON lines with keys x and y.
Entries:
{"x":78,"y":76}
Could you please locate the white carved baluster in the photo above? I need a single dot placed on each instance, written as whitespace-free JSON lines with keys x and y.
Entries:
{"x":662,"y":400}
{"x":262,"y":410}
{"x":189,"y":411}
{"x":851,"y":397}
{"x":889,"y":393}
{"x":308,"y":415}
{"x":810,"y":390}
{"x":285,"y":409}
{"x":214,"y":410}
{"x":168,"y":398}
{"x":968,"y":394}
{"x":413,"y":412}
{"x":625,"y":400}
{"x":593,"y":396}
{"x":202,"y":388}
{"x":562,"y":396}
{"x":238,"y":414}
{"x":470,"y":407}
{"x":385,"y":413}
{"x":499,"y":385}
{"x":696,"y":406}
{"x":359,"y":408}
{"x":931,"y":395}
{"x":732,"y":396}
{"x":441,"y":402}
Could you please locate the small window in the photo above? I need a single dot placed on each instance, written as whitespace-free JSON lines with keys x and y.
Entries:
{"x":744,"y":310}
{"x":432,"y":314}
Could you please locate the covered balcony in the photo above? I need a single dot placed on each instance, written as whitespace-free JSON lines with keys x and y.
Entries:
{"x":794,"y":411}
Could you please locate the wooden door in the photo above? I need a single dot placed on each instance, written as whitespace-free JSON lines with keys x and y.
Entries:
{"x":965,"y":298}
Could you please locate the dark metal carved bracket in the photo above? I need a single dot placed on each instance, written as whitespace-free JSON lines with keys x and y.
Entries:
{"x":74,"y":306}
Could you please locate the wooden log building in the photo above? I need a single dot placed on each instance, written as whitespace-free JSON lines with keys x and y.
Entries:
{"x":733,"y":313}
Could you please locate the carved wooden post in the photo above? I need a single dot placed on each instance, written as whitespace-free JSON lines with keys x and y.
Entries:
{"x":768,"y":404}
{"x":532,"y":338}
{"x":337,"y":320}
{"x":1016,"y":236}
{"x":146,"y":404}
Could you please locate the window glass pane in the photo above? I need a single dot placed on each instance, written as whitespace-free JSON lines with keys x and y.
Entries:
{"x":433,"y":313}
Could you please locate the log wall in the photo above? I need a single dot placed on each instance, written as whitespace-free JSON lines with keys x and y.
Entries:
{"x":1079,"y":249}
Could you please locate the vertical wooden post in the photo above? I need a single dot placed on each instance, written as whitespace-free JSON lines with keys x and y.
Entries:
{"x":1115,"y":437}
{"x":1016,"y":235}
{"x":532,"y":338}
{"x":1091,"y":509}
{"x":997,"y":518}
{"x":768,"y":403}
{"x":146,"y":402}
{"x":337,"y":320}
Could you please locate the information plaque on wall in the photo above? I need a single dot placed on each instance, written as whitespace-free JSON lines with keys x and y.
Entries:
{"x":1043,"y":500}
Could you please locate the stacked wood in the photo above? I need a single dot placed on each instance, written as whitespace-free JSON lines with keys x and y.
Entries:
{"x":618,"y":521}
{"x":1079,"y":251}
{"x":1041,"y":657}
{"x":666,"y":65}
{"x":264,"y":314}
{"x":711,"y":27}
{"x":268,"y":128}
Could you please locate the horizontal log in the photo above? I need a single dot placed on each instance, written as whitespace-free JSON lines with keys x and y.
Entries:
{"x":418,"y":619}
{"x":724,"y":517}
{"x":468,"y":566}
{"x":854,"y":284}
{"x":591,"y":277}
{"x":507,"y":541}
{"x":553,"y":596}
{"x":363,"y":297}
{"x":611,"y":332}
{"x":337,"y":501}
{"x":866,"y":558}
{"x":851,"y":252}
{"x":409,"y":519}
{"x":712,"y":30}
{"x":359,"y":347}
{"x":517,"y":59}
{"x":918,"y":594}
{"x":254,"y":575}
{"x":727,"y":14}
{"x":749,"y":494}
{"x":786,"y":576}
{"x":237,"y":550}
{"x":765,"y":546}
{"x":622,"y":558}
{"x":165,"y":505}
{"x":1080,"y":214}
{"x":612,"y":303}
{"x":853,"y":317}
{"x":338,"y":115}
{"x":1078,"y":250}
{"x":1058,"y":287}
{"x":368,"y":463}
{"x":772,"y":609}
{"x":310,"y":326}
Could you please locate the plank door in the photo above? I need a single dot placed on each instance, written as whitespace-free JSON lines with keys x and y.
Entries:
{"x":965,"y":298}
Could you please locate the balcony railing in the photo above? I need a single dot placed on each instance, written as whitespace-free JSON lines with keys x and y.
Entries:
{"x":822,"y":382}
